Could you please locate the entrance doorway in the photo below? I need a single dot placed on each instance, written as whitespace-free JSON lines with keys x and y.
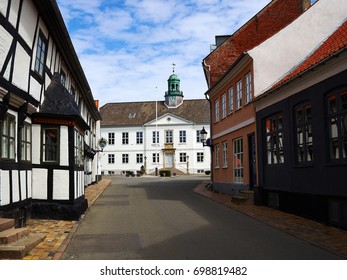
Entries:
{"x":169,"y":160}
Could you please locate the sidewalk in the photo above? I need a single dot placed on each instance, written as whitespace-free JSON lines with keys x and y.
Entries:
{"x":326,"y":237}
{"x":59,"y":233}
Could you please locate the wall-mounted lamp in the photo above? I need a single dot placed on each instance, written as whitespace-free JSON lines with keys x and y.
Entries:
{"x":203,"y":134}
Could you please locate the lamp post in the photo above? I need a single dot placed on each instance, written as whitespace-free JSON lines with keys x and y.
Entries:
{"x":187,"y":164}
{"x":203,"y":135}
{"x":145,"y":164}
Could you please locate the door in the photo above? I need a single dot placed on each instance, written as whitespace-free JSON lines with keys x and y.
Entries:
{"x":169,"y":161}
{"x":252,"y":161}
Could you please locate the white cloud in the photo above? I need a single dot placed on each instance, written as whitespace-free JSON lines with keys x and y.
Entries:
{"x":127,"y":47}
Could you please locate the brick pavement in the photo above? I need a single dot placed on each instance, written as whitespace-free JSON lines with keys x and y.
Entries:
{"x":58,"y":233}
{"x":326,"y":237}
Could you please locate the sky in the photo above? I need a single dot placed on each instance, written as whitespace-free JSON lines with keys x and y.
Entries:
{"x":127,"y":48}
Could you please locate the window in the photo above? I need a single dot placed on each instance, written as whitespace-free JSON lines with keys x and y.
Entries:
{"x":198,"y":136}
{"x":238,"y":94}
{"x":111,"y":159}
{"x":111,"y":138}
{"x":25,"y":142}
{"x":155,"y":137}
{"x":231,"y":100}
{"x":337,"y":123}
{"x":50,"y":144}
{"x":139,"y":137}
{"x":139,"y":158}
{"x":216,"y":154}
{"x":8,"y":127}
{"x":248,"y":87}
{"x":274,"y":139}
{"x":304,"y":139}
{"x":224,"y":106}
{"x":125,"y":138}
{"x":216,"y":111}
{"x":225,"y":154}
{"x":169,"y":136}
{"x":40,"y":54}
{"x":155,"y":157}
{"x":200,"y":157}
{"x":125,"y":158}
{"x":63,"y":77}
{"x":183,"y":138}
{"x":183,"y":157}
{"x":238,"y":160}
{"x":78,"y":148}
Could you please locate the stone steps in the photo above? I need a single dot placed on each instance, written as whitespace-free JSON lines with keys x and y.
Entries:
{"x":244,"y":197}
{"x":15,"y":243}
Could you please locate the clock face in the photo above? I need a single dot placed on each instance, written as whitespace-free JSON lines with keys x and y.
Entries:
{"x":172,"y":100}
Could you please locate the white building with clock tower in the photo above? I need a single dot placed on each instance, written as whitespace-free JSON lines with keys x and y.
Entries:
{"x":156,"y":134}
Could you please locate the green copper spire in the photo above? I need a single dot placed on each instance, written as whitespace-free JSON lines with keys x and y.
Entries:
{"x":174,"y":96}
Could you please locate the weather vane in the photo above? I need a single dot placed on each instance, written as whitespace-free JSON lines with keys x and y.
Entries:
{"x":173,"y":67}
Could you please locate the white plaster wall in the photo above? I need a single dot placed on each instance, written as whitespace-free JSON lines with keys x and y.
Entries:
{"x":191,"y":147}
{"x":14,"y":12}
{"x":28,"y":18}
{"x":61,"y":184}
{"x":3,"y":7}
{"x":35,"y":89}
{"x":15,"y":186}
{"x":4,"y":187}
{"x":36,"y":147}
{"x":5,"y":43}
{"x":39,"y":183}
{"x":64,"y":147}
{"x":79,"y":183}
{"x":29,"y":183}
{"x":23,"y":184}
{"x":279,"y":54}
{"x":21,"y":68}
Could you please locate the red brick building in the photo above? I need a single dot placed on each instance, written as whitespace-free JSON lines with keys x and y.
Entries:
{"x":229,"y":75}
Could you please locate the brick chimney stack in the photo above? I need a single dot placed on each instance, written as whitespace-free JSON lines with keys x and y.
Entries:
{"x":305,"y":4}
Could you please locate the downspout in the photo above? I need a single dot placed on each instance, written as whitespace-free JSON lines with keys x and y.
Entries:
{"x":211,"y":147}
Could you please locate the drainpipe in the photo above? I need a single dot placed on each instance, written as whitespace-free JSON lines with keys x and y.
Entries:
{"x":211,"y":147}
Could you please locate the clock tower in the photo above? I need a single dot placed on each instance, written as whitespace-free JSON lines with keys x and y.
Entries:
{"x":174,"y":96}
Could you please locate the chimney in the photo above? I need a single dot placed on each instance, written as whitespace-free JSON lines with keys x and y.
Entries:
{"x":306,"y":4}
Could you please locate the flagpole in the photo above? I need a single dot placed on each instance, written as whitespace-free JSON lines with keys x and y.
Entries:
{"x":156,"y":132}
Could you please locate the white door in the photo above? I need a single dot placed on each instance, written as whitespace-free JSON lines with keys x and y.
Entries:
{"x":168,"y":160}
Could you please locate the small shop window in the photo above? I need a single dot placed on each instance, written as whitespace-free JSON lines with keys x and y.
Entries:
{"x":26,"y":142}
{"x":8,"y":137}
{"x":274,"y":139}
{"x":50,"y":144}
{"x":337,"y":123}
{"x":304,"y":136}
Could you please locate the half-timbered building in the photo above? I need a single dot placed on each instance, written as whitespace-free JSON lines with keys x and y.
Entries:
{"x":48,"y":117}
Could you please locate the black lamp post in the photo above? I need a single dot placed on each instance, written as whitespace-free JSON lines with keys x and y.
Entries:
{"x":203,"y":135}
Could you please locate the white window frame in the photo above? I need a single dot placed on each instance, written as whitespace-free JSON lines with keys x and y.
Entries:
{"x":238,"y":160}
{"x":224,"y":106}
{"x":248,"y":87}
{"x":231,"y":99}
{"x":238,"y":94}
{"x":216,"y":111}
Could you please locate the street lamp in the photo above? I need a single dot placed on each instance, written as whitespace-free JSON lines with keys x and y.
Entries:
{"x":203,"y":135}
{"x":187,"y":164}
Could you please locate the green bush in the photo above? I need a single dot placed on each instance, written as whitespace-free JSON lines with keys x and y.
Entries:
{"x":207,"y":172}
{"x":165,"y":173}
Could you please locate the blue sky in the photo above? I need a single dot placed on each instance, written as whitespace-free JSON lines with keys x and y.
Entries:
{"x":127,"y":48}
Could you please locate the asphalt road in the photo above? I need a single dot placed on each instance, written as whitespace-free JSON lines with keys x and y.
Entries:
{"x":162,"y":218}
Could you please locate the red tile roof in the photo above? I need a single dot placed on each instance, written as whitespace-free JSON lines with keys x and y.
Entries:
{"x":335,"y":43}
